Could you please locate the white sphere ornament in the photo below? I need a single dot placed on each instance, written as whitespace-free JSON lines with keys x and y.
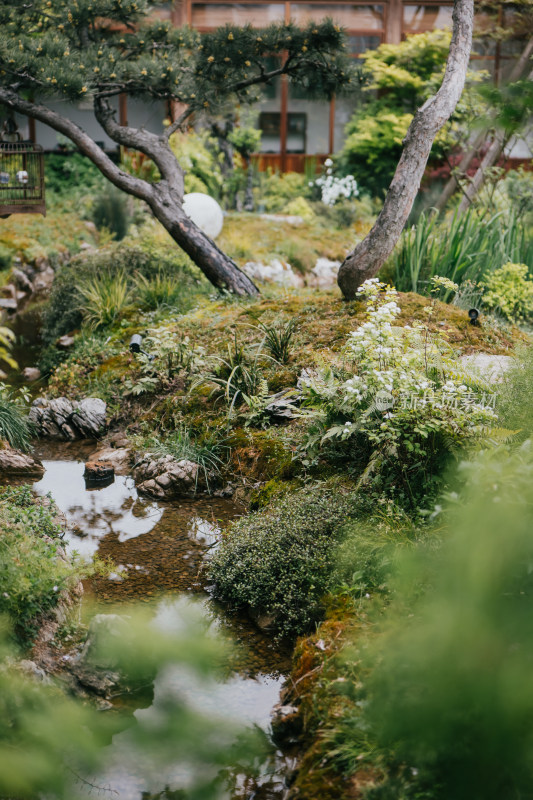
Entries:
{"x":205,"y":212}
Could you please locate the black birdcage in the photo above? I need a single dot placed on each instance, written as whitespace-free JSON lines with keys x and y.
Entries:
{"x":21,"y":174}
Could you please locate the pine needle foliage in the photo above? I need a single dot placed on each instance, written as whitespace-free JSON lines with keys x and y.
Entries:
{"x":99,"y":48}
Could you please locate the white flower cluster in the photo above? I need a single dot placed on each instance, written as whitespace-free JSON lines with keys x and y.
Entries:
{"x":407,"y":368}
{"x":332,"y":188}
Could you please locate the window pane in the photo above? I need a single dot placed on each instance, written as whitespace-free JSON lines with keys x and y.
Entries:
{"x":418,"y":19}
{"x":270,"y":125}
{"x":358,"y":44}
{"x":349,"y":16}
{"x":271,"y":90}
{"x":212,"y":15}
{"x":161,"y":11}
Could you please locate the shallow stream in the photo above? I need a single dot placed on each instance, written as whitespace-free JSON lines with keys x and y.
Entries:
{"x":158,"y":549}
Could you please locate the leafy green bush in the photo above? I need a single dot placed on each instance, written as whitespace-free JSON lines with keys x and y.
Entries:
{"x":200,"y":157}
{"x":404,"y":76}
{"x":402,"y":407}
{"x":6,"y":257}
{"x":509,"y":290}
{"x":278,"y":562}
{"x":277,"y":190}
{"x":300,"y":207}
{"x":71,"y":173}
{"x":62,"y":313}
{"x":14,"y":423}
{"x":450,"y":698}
{"x":111,"y":212}
{"x":32,"y":575}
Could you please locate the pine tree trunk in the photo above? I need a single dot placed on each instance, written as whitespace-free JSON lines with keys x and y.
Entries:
{"x":249,"y":190}
{"x":370,"y":255}
{"x":164,"y":198}
{"x":218,"y":268}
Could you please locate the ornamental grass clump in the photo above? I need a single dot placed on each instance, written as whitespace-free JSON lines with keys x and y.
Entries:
{"x":398,"y":407}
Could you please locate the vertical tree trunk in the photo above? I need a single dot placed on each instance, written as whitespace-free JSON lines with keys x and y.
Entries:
{"x":370,"y":255}
{"x":248,"y":192}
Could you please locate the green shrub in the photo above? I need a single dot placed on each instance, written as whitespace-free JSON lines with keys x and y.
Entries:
{"x":72,"y":173}
{"x":200,"y":157}
{"x":62,"y":313}
{"x":509,"y":290}
{"x":111,"y":212}
{"x":399,"y":409}
{"x":300,"y":207}
{"x":278,"y":562}
{"x":450,"y":697}
{"x":161,"y":289}
{"x":6,"y":257}
{"x":277,"y":190}
{"x":32,"y":575}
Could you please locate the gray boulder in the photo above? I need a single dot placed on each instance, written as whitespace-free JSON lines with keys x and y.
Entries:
{"x":61,"y":419}
{"x":168,"y":478}
{"x":13,"y":462}
{"x":89,"y":417}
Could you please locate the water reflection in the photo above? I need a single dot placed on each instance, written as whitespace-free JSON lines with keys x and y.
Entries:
{"x":96,"y":512}
{"x":158,"y":551}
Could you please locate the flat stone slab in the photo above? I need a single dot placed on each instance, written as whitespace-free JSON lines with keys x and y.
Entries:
{"x":489,"y":367}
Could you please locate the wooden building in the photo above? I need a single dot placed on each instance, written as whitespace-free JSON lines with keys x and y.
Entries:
{"x":294,"y":127}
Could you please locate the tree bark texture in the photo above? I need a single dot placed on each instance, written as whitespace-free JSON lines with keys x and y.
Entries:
{"x":369,"y":256}
{"x":453,"y":183}
{"x":165,"y":198}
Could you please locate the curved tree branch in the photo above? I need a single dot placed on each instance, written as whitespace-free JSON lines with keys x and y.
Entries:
{"x":86,"y":145}
{"x":153,"y":146}
{"x":370,"y":255}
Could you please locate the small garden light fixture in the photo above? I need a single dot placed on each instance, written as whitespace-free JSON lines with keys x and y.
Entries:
{"x":473,"y":314}
{"x":135,"y":346}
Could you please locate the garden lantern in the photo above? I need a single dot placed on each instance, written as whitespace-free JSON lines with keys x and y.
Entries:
{"x":21,"y":174}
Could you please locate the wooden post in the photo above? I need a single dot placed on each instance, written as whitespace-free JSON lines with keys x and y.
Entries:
{"x":123,"y":109}
{"x":332,"y":126}
{"x":394,"y":22}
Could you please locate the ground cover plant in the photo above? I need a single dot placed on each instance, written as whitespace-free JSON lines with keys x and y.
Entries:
{"x":277,"y":562}
{"x":33,"y":574}
{"x":399,"y":406}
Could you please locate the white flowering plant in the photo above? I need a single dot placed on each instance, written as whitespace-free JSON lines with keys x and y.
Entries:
{"x":399,"y":405}
{"x":331,"y":188}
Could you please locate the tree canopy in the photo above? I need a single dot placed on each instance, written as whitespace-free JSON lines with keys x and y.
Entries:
{"x":96,"y":50}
